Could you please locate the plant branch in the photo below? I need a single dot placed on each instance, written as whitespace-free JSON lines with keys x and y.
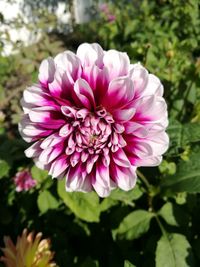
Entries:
{"x":144,"y":179}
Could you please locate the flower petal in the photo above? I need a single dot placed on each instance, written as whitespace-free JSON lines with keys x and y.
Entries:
{"x":150,"y":109}
{"x":46,"y":71}
{"x":62,"y":85}
{"x":136,"y":129}
{"x":32,"y":130}
{"x":101,"y":181}
{"x":77,"y":180}
{"x":121,"y":92}
{"x":147,"y":162}
{"x":153,"y":86}
{"x":59,"y":166}
{"x":34,"y":150}
{"x":117,"y":63}
{"x":84,"y":94}
{"x":69,"y":63}
{"x":139,"y":76}
{"x":90,"y":54}
{"x":123,"y":115}
{"x":125,"y":178}
{"x":51,"y":140}
{"x":36,"y":96}
{"x":120,"y":158}
{"x":46,"y":117}
{"x":158,"y":142}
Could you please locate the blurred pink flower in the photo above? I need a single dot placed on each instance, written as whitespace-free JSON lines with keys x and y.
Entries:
{"x":105,"y":9}
{"x":111,"y":18}
{"x":24,"y":181}
{"x":93,"y":118}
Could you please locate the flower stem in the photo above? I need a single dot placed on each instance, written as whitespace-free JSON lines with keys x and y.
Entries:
{"x":144,"y":179}
{"x":160,"y":224}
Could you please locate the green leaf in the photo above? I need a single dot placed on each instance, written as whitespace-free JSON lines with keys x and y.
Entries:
{"x":89,"y":263}
{"x":124,"y":196}
{"x":175,"y":133}
{"x":46,"y":201}
{"x":166,"y":212}
{"x":192,"y":95}
{"x":174,"y":215}
{"x":38,"y":174}
{"x":84,"y":205}
{"x":107,"y":203}
{"x":4,"y":168}
{"x":178,"y":105}
{"x":191,"y":133}
{"x":173,"y":250}
{"x":134,"y":225}
{"x":128,"y":264}
{"x":187,"y":177}
{"x":181,"y":135}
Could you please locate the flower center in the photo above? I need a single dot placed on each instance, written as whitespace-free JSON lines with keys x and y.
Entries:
{"x":90,"y":135}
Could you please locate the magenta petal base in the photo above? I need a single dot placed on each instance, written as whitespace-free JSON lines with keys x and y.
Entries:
{"x":93,"y":118}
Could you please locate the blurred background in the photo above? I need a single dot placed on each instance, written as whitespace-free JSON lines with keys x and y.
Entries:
{"x":164,"y":35}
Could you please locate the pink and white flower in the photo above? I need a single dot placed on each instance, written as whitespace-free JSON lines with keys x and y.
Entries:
{"x":24,"y":181}
{"x":94,"y":118}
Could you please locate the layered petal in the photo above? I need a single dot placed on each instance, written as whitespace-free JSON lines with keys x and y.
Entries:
{"x":84,"y":94}
{"x":139,"y":76}
{"x":101,"y":181}
{"x":121,"y":91}
{"x":46,"y":71}
{"x":59,"y":166}
{"x":77,"y":180}
{"x":62,"y":85}
{"x":145,"y":84}
{"x":34,"y":150}
{"x":47,"y":117}
{"x":125,"y":178}
{"x":117,"y":64}
{"x":150,"y":109}
{"x":69,"y":63}
{"x":35,"y":96}
{"x":90,"y":54}
{"x":124,"y":115}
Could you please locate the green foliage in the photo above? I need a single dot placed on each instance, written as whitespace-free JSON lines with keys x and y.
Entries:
{"x":156,"y":223}
{"x":128,"y":264}
{"x":38,"y":174}
{"x":126,"y":197}
{"x":134,"y":225}
{"x":173,"y":250}
{"x":46,"y":201}
{"x":84,"y":206}
{"x":4,"y":168}
{"x":183,"y":134}
{"x":187,"y":177}
{"x":167,"y":213}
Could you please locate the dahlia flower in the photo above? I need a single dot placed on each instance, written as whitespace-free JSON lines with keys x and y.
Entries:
{"x":29,"y":251}
{"x":24,"y":181}
{"x":94,"y":118}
